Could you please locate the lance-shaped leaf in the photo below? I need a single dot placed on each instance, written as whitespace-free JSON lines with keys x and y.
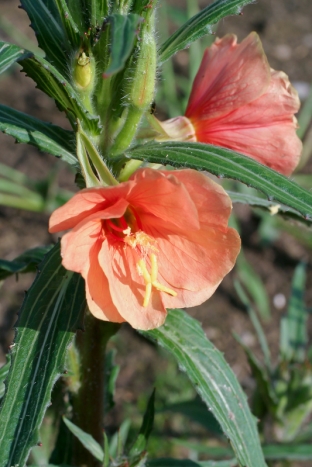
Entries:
{"x":9,"y":54}
{"x":199,"y":25}
{"x":273,"y":207}
{"x":26,"y":262}
{"x":69,"y":25}
{"x":50,"y":81}
{"x":46,"y":23}
{"x":4,"y":371}
{"x":123,"y":34}
{"x":87,"y":440}
{"x":44,"y":136}
{"x":53,"y":83}
{"x":288,"y":452}
{"x":98,"y":10}
{"x":214,"y":381}
{"x":165,"y":462}
{"x":229,"y":164}
{"x":50,"y":315}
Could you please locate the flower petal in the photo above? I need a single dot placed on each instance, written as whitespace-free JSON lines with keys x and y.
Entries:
{"x":85,"y":203}
{"x":213,"y":204}
{"x":127,"y":288}
{"x":265,"y":129}
{"x":161,"y":195}
{"x":194,"y":268}
{"x":97,"y":290}
{"x":230,"y":75}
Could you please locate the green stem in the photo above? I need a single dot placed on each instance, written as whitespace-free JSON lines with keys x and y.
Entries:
{"x":127,"y":133}
{"x":88,"y":407}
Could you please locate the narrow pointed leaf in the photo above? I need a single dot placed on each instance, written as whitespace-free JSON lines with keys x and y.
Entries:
{"x":44,"y":136}
{"x":199,"y":25}
{"x":123,"y":34}
{"x":163,"y":462}
{"x":294,"y":337}
{"x":69,"y":25}
{"x":214,"y":381}
{"x":228,"y":164}
{"x":50,"y":81}
{"x":53,"y":83}
{"x":46,"y":23}
{"x":9,"y":54}
{"x":49,"y":317}
{"x":87,"y":440}
{"x":146,"y":428}
{"x":4,"y":371}
{"x":273,"y":207}
{"x":99,"y":10}
{"x":288,"y":452}
{"x":196,"y":411}
{"x":26,"y":262}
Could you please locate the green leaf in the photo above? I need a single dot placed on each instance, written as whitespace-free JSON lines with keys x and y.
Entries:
{"x":69,"y":25}
{"x":53,"y":83}
{"x":50,"y":81}
{"x":46,"y":23}
{"x":197,"y":411}
{"x":87,"y":440}
{"x":199,"y":25}
{"x":111,"y":374}
{"x":256,"y":324}
{"x":253,"y":284}
{"x":123,"y":34}
{"x":98,"y":11}
{"x":271,"y":206}
{"x":214,"y":381}
{"x":288,"y":452}
{"x":165,"y":462}
{"x":50,"y":315}
{"x":294,"y":337}
{"x":44,"y":136}
{"x":146,"y":428}
{"x":26,"y":262}
{"x":229,"y":164}
{"x":4,"y":371}
{"x":9,"y":54}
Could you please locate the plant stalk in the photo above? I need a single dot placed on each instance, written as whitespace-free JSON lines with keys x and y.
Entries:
{"x":88,"y":406}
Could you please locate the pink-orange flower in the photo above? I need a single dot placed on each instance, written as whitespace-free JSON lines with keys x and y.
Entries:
{"x":157,"y":241}
{"x":239,"y":102}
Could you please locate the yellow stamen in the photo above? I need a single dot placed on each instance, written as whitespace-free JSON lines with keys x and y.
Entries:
{"x":150,"y":279}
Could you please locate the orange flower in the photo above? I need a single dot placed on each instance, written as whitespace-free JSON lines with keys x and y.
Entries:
{"x":157,"y":241}
{"x":239,"y":102}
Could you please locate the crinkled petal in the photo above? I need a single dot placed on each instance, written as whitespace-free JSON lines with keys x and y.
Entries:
{"x":76,"y":244}
{"x":213,"y":204}
{"x":85,"y":203}
{"x":127,"y":288}
{"x":161,"y":195}
{"x":265,"y":129}
{"x":194,"y":268}
{"x":230,"y":75}
{"x":97,"y":289}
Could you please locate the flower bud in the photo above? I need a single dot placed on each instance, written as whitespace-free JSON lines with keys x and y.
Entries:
{"x":141,"y":76}
{"x":84,"y":72}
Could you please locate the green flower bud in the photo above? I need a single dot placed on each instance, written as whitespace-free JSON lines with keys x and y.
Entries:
{"x":141,"y":76}
{"x":84,"y":72}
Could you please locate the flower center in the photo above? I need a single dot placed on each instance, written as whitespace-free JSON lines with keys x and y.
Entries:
{"x":127,"y":229}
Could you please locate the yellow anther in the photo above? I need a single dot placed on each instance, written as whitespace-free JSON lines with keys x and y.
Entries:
{"x":150,"y":279}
